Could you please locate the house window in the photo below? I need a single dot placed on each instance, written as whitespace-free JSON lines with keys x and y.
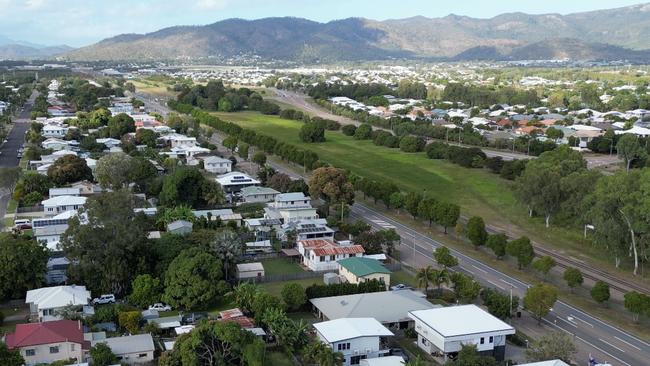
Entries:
{"x":332,"y":257}
{"x":54,"y":349}
{"x":482,"y":340}
{"x":30,"y":352}
{"x":322,"y":258}
{"x":72,"y":347}
{"x":424,"y":341}
{"x":344,"y":346}
{"x":491,"y":339}
{"x":355,"y":360}
{"x":142,"y":355}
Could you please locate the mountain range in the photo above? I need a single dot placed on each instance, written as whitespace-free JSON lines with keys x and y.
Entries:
{"x":613,"y":34}
{"x":20,"y":50}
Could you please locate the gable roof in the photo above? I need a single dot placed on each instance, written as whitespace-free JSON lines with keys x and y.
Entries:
{"x":58,"y":296}
{"x":360,"y":266}
{"x":395,"y":305}
{"x":322,"y":247}
{"x":349,"y":328}
{"x":255,"y":190}
{"x":34,"y":334}
{"x":64,"y":201}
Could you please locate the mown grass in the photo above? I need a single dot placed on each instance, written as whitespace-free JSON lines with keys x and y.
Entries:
{"x":277,"y":266}
{"x":477,"y":191}
{"x":275,"y":288}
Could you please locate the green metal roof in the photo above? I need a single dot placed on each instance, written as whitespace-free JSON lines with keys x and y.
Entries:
{"x":361,"y":267}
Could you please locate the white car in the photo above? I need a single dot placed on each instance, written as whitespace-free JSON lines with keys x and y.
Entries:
{"x":104,"y":299}
{"x":160,"y":307}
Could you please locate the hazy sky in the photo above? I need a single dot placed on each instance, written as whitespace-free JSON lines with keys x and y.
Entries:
{"x":81,"y":22}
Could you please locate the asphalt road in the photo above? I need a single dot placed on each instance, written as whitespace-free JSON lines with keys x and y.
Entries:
{"x":151,"y":104}
{"x":604,"y":341}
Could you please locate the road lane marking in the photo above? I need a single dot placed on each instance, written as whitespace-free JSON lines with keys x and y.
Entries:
{"x":557,"y":326}
{"x":507,"y":283}
{"x":628,"y":343}
{"x":480,"y":269}
{"x":607,"y":343}
{"x":602,"y":350}
{"x":494,"y":284}
{"x":589,"y":324}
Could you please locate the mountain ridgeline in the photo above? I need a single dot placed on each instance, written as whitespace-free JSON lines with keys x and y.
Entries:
{"x":614,"y":34}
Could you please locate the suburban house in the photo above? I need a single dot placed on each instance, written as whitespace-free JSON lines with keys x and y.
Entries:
{"x":46,"y":301}
{"x":257,"y":194}
{"x":307,"y":229}
{"x":109,"y":142}
{"x":57,"y":270}
{"x":263,"y":227}
{"x":54,"y":192}
{"x":54,"y":131}
{"x":250,"y":271}
{"x":59,"y":204}
{"x":290,"y":207}
{"x":355,"y":338}
{"x":57,"y":144}
{"x":44,"y":343}
{"x":233,"y":182}
{"x":50,"y":229}
{"x":322,"y":255}
{"x":362,"y":269}
{"x":226,"y":215}
{"x":393,"y":312}
{"x":179,"y":227}
{"x":217,"y":165}
{"x":447,"y":329}
{"x":547,"y":363}
{"x":87,"y":188}
{"x":131,"y":349}
{"x":178,"y":140}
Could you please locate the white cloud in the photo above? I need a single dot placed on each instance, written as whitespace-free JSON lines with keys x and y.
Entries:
{"x":211,"y":4}
{"x":35,"y":4}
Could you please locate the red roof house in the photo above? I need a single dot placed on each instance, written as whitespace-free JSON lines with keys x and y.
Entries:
{"x":48,"y":341}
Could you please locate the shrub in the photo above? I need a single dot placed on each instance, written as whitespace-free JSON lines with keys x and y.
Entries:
{"x":349,"y":130}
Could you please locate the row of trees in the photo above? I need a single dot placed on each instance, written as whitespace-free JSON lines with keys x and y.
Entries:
{"x":269,"y":144}
{"x":215,"y":96}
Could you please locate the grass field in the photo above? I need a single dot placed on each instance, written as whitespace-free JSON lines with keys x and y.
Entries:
{"x":276,"y":266}
{"x":477,"y":191}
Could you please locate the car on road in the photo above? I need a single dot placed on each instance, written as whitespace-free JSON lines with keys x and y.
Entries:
{"x":19,"y":155}
{"x":160,"y":307}
{"x":104,"y":299}
{"x":401,"y":286}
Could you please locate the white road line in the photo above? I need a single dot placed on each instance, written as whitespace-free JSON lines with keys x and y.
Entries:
{"x":604,"y":341}
{"x":568,"y":321}
{"x":628,"y":343}
{"x":603,"y":351}
{"x":589,"y":324}
{"x":494,"y":284}
{"x":480,"y":269}
{"x":559,"y":327}
{"x":507,"y":283}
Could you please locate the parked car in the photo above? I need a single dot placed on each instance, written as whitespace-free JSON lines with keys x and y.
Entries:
{"x":193,"y":318}
{"x":104,"y":299}
{"x":160,"y":307}
{"x":22,"y":224}
{"x":401,"y":286}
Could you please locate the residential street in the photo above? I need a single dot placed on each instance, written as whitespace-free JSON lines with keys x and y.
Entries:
{"x":9,"y":150}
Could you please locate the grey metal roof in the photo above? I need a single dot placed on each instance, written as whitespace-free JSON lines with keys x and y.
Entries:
{"x":129,"y":344}
{"x":395,"y":305}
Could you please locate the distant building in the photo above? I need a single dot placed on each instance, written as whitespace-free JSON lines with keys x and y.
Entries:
{"x":45,"y":302}
{"x":233,"y":182}
{"x":216,"y":165}
{"x":132,"y":349}
{"x":257,"y":194}
{"x":179,"y":227}
{"x":59,"y":204}
{"x":250,"y":271}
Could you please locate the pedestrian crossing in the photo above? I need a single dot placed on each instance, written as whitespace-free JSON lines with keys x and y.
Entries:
{"x":383,"y":224}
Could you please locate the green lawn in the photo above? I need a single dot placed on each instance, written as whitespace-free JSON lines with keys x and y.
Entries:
{"x":276,"y":266}
{"x":477,"y":191}
{"x":275,"y":288}
{"x":403,"y":277}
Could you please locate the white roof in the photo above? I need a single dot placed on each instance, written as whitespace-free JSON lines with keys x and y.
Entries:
{"x":246,"y":267}
{"x":64,"y":192}
{"x":215,"y":160}
{"x":383,"y":361}
{"x":235,"y":178}
{"x":183,"y":329}
{"x":641,"y":131}
{"x":455,"y":321}
{"x":291,"y":196}
{"x":58,"y":296}
{"x":584,"y":128}
{"x":128,"y":344}
{"x":546,"y":363}
{"x":64,"y":201}
{"x":349,"y":328}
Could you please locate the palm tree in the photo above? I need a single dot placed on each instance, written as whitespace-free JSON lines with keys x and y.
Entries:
{"x":227,"y":246}
{"x":424,"y":276}
{"x":440,"y":278}
{"x":319,"y":353}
